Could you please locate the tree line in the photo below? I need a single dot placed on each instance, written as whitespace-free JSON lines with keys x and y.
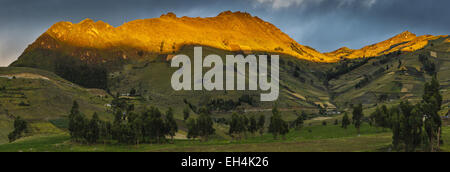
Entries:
{"x":240,"y":125}
{"x":414,"y":126}
{"x":128,"y":127}
{"x":427,"y":64}
{"x":81,"y":73}
{"x":152,"y":126}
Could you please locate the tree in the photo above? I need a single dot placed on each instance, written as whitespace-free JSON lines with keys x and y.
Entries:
{"x":186,"y":113}
{"x":261,"y":123}
{"x":246,"y":124}
{"x":105,"y":131}
{"x":428,"y":66}
{"x":237,"y":126}
{"x":171,"y":123}
{"x":357,"y":117}
{"x":133,"y":92}
{"x":73,"y":112}
{"x":304,"y":115}
{"x":205,"y":126}
{"x":155,"y":127}
{"x":411,"y":125}
{"x":80,"y":127}
{"x":380,"y":117}
{"x":20,"y":126}
{"x":77,"y":123}
{"x":93,"y":131}
{"x":138,"y":127}
{"x":192,"y":128}
{"x":277,"y":125}
{"x":253,"y":127}
{"x":298,"y":122}
{"x":345,"y":120}
{"x":431,"y":104}
{"x":396,"y":119}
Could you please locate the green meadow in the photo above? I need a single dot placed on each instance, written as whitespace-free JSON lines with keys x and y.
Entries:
{"x":310,"y":138}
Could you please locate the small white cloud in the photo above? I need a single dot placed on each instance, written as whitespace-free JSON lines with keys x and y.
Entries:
{"x":370,"y":3}
{"x":278,"y":4}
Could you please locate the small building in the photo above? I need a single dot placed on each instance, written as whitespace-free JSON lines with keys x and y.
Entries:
{"x":433,"y":54}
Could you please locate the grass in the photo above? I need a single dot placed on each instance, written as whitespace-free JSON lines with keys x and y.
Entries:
{"x":46,"y":100}
{"x":322,"y":138}
{"x":369,"y":143}
{"x":446,"y":138}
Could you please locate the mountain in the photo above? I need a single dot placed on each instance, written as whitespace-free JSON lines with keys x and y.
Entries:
{"x":100,"y":43}
{"x":135,"y":56}
{"x":231,"y":31}
{"x":403,"y":42}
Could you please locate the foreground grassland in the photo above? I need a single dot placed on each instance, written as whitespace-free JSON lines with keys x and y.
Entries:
{"x":446,"y":139}
{"x":321,"y":139}
{"x":311,"y":138}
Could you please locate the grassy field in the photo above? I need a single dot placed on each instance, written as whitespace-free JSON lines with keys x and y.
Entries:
{"x":320,"y":139}
{"x":446,"y":138}
{"x":310,"y":138}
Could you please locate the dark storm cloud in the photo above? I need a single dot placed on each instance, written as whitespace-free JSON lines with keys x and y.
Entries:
{"x":322,"y":24}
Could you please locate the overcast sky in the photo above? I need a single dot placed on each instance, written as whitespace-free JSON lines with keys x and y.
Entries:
{"x":325,"y":25}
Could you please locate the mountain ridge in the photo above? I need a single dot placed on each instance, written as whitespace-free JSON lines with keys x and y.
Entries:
{"x":97,"y":42}
{"x":403,"y":42}
{"x":232,"y":31}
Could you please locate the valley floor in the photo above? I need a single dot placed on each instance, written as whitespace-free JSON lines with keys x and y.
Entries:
{"x":316,"y":138}
{"x":310,"y":139}
{"x":60,"y":143}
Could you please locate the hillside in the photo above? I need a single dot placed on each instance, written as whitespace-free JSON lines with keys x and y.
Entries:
{"x":387,"y":79}
{"x":403,"y":42}
{"x":42,"y":98}
{"x":151,"y":80}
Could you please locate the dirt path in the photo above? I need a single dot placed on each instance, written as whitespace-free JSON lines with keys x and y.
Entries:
{"x":24,"y":75}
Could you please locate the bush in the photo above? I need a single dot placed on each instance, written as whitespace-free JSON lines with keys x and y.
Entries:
{"x":20,"y":126}
{"x":23,"y":104}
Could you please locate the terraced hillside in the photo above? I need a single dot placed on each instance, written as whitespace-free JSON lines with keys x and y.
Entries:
{"x":43,"y":99}
{"x":151,"y":80}
{"x":390,"y":78}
